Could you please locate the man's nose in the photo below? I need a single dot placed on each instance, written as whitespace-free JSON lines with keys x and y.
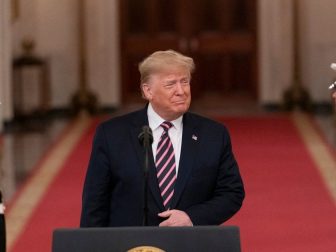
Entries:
{"x":179,"y":88}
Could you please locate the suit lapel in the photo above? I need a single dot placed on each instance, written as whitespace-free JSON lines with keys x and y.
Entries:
{"x":187,"y":157}
{"x":140,"y":120}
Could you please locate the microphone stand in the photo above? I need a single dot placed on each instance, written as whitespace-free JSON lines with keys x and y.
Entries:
{"x":146,"y":139}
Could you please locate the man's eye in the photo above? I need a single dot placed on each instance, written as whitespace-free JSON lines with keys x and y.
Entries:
{"x":170,"y":84}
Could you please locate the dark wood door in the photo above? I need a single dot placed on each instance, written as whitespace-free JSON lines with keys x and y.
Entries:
{"x":219,"y":34}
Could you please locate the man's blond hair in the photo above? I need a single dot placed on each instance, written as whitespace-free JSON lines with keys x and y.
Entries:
{"x":161,"y":60}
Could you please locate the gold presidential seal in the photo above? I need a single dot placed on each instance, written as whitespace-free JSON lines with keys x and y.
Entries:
{"x":145,"y":249}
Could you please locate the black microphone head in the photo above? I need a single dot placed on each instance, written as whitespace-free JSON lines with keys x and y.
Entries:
{"x":146,"y":135}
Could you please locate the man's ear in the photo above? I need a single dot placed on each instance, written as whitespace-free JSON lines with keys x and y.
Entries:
{"x":147,"y":91}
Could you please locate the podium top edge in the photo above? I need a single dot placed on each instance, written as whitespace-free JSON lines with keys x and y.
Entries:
{"x":200,"y":228}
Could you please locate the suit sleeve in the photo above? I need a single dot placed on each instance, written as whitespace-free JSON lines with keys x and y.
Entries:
{"x":97,"y":185}
{"x":228,"y":193}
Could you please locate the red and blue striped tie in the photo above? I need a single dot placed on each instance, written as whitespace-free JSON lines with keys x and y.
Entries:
{"x":165,"y":165}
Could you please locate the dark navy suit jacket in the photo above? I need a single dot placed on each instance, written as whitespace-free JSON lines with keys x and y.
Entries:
{"x":209,"y":187}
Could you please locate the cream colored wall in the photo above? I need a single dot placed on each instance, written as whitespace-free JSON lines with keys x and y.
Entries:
{"x":1,"y":61}
{"x":318,"y":47}
{"x":103,"y":50}
{"x":5,"y":62}
{"x":275,"y":49}
{"x":318,"y":22}
{"x":25,"y":25}
{"x":53,"y":24}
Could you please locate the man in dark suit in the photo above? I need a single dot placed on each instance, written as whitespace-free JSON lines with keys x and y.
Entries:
{"x":193,"y":176}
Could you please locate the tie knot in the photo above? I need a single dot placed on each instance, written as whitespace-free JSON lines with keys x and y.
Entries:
{"x":166,"y":126}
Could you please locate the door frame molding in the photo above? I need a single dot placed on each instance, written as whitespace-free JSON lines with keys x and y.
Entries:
{"x":274,"y":48}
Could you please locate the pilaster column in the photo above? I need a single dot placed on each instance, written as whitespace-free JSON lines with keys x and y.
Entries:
{"x":275,"y":49}
{"x":6,"y":108}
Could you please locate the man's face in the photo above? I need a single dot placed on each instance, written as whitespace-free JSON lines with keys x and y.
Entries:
{"x":169,"y":92}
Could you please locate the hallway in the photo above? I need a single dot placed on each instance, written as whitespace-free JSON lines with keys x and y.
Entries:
{"x":60,"y":136}
{"x":21,"y":148}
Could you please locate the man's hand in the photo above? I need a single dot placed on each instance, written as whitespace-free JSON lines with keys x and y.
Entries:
{"x":175,"y":218}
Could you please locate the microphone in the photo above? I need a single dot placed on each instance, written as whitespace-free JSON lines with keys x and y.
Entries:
{"x":146,"y":136}
{"x":146,"y":139}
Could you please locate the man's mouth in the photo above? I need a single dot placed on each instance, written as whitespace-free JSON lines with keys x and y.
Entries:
{"x":179,"y":102}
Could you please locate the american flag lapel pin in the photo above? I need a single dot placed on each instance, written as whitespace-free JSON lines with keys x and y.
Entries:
{"x":194,"y":137}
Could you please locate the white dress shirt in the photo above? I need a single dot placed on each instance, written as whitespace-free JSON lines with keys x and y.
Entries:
{"x":175,"y":133}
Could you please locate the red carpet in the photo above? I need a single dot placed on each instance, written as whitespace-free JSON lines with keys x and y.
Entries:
{"x":287,"y":206}
{"x":60,"y":206}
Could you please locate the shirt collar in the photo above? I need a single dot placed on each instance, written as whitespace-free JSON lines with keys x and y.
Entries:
{"x":154,"y":120}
